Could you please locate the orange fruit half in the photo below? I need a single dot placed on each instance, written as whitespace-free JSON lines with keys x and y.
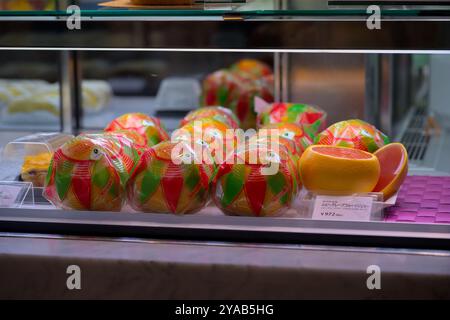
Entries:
{"x":338,"y":170}
{"x":393,"y":160}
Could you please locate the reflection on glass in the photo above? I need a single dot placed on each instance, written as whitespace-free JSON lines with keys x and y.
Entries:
{"x":165,"y":85}
{"x":29,"y":91}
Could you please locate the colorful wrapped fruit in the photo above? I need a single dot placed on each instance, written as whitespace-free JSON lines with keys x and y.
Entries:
{"x":150,"y":128}
{"x":293,"y":152}
{"x":228,"y":89}
{"x":265,"y":186}
{"x":292,"y":137}
{"x":292,"y":131}
{"x":218,"y":113}
{"x":252,"y":67}
{"x":138,"y":140}
{"x":171,"y":178}
{"x":208,"y":132}
{"x":312,"y":119}
{"x":90,"y":172}
{"x":353,"y":133}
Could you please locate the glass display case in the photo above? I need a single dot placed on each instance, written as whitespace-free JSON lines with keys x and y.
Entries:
{"x":76,"y":67}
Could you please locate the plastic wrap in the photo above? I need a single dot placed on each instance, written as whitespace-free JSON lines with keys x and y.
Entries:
{"x":209,"y":132}
{"x":139,"y":142}
{"x":27,"y":158}
{"x":206,"y":129}
{"x":312,"y":119}
{"x":252,"y":68}
{"x":218,"y":113}
{"x":171,"y":178}
{"x":150,"y":128}
{"x":90,"y":172}
{"x":259,"y":180}
{"x":353,"y":133}
{"x":294,"y":132}
{"x":294,"y":152}
{"x":231,"y":90}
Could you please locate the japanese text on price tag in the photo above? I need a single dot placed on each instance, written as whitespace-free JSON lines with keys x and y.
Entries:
{"x":356,"y":208}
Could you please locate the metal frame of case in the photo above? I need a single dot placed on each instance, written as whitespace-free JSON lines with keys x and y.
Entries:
{"x":273,"y":34}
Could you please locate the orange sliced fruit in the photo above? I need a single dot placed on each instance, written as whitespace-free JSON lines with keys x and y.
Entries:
{"x":393,"y":160}
{"x":338,"y":170}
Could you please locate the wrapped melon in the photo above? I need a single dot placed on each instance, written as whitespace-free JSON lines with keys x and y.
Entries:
{"x":260,"y":180}
{"x":252,"y":67}
{"x":234,"y":91}
{"x":170,"y":179}
{"x":210,"y":133}
{"x":353,"y":133}
{"x":90,"y":172}
{"x":150,"y":128}
{"x":219,"y":113}
{"x":292,"y":131}
{"x":312,"y":119}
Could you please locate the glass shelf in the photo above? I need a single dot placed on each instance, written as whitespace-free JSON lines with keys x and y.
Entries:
{"x":258,"y":25}
{"x":250,"y":9}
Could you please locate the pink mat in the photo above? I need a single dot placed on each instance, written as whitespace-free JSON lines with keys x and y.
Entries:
{"x":422,"y":199}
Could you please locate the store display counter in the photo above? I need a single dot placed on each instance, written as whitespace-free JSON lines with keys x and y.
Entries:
{"x":36,"y":267}
{"x":89,"y":118}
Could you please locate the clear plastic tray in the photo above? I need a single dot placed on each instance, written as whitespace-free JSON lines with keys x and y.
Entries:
{"x":14,"y":194}
{"x":177,"y":93}
{"x":16,"y":152}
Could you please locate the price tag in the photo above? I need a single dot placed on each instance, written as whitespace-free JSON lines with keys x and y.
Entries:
{"x":342,"y":208}
{"x":12,"y":194}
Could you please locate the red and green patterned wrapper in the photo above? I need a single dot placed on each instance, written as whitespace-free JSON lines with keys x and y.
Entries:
{"x":293,"y":137}
{"x":312,"y":119}
{"x":252,"y":68}
{"x":294,"y":132}
{"x":241,"y":187}
{"x":208,"y":132}
{"x":219,"y":113}
{"x":170,"y":179}
{"x":150,"y":128}
{"x":355,"y":134}
{"x":90,"y":172}
{"x":234,"y":91}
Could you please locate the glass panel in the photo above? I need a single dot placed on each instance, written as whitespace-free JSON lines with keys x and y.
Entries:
{"x":404,"y":96}
{"x":166,"y":85}
{"x":249,"y":8}
{"x":29,"y":92}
